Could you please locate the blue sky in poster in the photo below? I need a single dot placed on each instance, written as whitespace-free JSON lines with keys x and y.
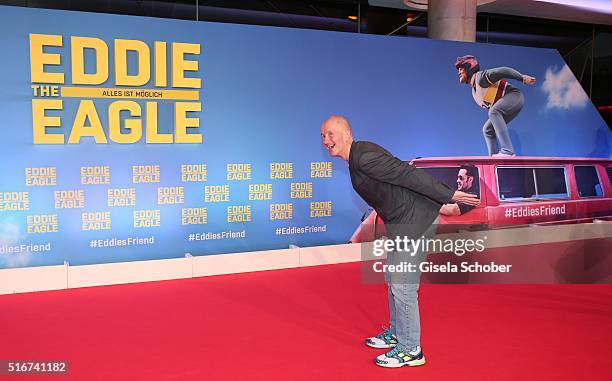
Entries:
{"x":265,"y":92}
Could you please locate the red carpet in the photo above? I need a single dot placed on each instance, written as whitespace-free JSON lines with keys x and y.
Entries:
{"x":308,"y":324}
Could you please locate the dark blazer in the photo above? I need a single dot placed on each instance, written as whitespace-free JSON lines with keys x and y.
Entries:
{"x":400,"y":193}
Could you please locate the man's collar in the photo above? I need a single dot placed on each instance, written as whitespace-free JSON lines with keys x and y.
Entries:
{"x":351,"y":151}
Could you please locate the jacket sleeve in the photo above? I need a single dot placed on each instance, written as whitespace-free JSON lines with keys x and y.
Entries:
{"x":389,"y":169}
{"x":491,"y":76}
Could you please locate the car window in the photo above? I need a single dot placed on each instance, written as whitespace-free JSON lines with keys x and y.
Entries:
{"x":588,"y":181}
{"x":448,"y":175}
{"x":515,"y":183}
{"x":550,"y":182}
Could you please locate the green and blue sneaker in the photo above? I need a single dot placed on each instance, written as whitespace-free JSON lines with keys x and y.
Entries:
{"x":396,"y":358}
{"x":383,"y":340}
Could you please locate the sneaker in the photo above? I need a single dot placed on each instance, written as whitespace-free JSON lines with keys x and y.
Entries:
{"x":382,"y":341}
{"x":503,"y":154}
{"x":397,"y":358}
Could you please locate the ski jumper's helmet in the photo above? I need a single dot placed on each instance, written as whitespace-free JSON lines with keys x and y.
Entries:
{"x":469,"y":64}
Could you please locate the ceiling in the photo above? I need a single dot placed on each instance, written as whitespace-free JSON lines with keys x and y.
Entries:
{"x":585,"y":12}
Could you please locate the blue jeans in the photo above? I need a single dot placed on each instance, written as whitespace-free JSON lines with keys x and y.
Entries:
{"x":402,"y":295}
{"x":495,"y":128}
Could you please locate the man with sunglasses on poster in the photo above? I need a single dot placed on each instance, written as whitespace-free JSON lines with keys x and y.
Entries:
{"x":467,"y":181}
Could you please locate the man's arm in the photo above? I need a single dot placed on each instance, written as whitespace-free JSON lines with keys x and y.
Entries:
{"x":389,"y":169}
{"x":491,"y":76}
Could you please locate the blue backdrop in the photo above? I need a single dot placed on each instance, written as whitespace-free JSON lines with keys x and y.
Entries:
{"x":265,"y":92}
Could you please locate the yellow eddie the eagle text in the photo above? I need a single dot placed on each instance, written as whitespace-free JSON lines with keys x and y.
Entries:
{"x":156,"y":79}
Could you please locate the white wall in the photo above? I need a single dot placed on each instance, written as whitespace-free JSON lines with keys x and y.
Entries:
{"x":62,"y":277}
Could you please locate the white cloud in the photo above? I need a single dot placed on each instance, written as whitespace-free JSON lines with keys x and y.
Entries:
{"x":563,"y":90}
{"x":10,"y":235}
{"x":18,"y":260}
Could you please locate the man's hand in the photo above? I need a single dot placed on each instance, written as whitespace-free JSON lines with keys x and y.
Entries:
{"x":528,"y":80}
{"x":466,"y":198}
{"x":450,"y":210}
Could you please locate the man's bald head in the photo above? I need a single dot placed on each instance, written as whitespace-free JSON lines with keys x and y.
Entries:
{"x":340,"y":122}
{"x":337,"y":136}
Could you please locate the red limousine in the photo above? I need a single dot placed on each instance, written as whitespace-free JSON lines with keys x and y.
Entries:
{"x":516,"y":191}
